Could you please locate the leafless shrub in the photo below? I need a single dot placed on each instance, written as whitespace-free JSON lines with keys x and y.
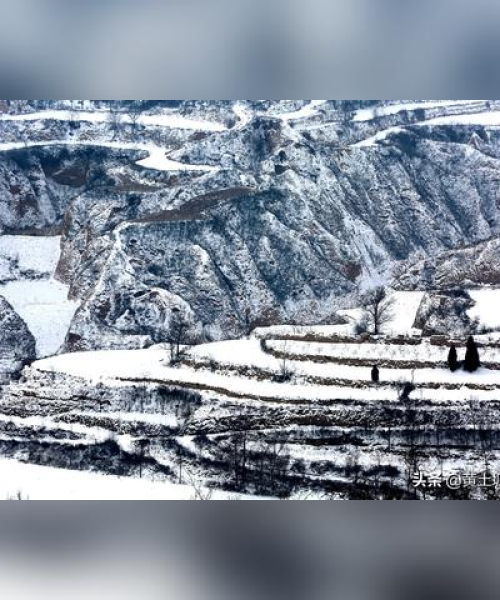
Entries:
{"x":378,"y":308}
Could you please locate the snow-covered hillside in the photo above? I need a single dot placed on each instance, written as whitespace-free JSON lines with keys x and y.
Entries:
{"x":192,"y":272}
{"x":166,"y":421}
{"x":28,"y":284}
{"x":487,"y":307}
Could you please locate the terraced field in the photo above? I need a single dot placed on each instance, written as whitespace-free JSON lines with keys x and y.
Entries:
{"x":268,"y":417}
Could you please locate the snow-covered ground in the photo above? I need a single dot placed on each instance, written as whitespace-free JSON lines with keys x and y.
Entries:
{"x":33,"y":482}
{"x":42,"y":303}
{"x":302,"y":331}
{"x":486,"y":119}
{"x":134,"y":365}
{"x":169,"y":120}
{"x":406,"y":305}
{"x":87,"y":435}
{"x":306,"y":112}
{"x":487,"y":308}
{"x":45,"y":308}
{"x":244,"y":115}
{"x":379,"y":137}
{"x":37,"y":254}
{"x":151,"y":364}
{"x":248,"y":353}
{"x":420,"y":353}
{"x":368,"y":114}
{"x":403,"y":311}
{"x":157,"y":158}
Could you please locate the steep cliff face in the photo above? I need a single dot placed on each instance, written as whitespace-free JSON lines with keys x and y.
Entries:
{"x":38,"y":184}
{"x":17,"y":345}
{"x":282,"y":229}
{"x":471,"y":266}
{"x":27,"y":202}
{"x":284,"y":216}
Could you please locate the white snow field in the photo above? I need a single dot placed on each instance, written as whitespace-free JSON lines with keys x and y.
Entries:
{"x":420,"y":353}
{"x":302,"y":331}
{"x":157,"y":158}
{"x":169,"y":120}
{"x":312,"y":381}
{"x":37,"y":254}
{"x":406,"y":305}
{"x":487,"y":308}
{"x":379,"y":137}
{"x":404,"y":312}
{"x":244,"y":115}
{"x":42,"y":303}
{"x":486,"y":119}
{"x":489,"y":119}
{"x":150,"y":364}
{"x":33,"y":482}
{"x":368,"y":114}
{"x":306,"y":112}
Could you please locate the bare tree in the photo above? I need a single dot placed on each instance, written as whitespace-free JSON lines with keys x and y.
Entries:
{"x":143,"y":446}
{"x":378,"y":309}
{"x":73,"y":112}
{"x":199,"y":492}
{"x":271,"y":467}
{"x":180,"y":462}
{"x":178,"y":332}
{"x":134,"y":112}
{"x":284,"y":374}
{"x":115,"y":119}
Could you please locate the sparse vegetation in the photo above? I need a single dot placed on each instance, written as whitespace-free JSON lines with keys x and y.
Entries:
{"x":179,"y":328}
{"x":378,"y":308}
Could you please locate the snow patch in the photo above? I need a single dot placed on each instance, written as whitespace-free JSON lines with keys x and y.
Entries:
{"x":170,"y":120}
{"x":379,"y":137}
{"x":404,"y":312}
{"x":486,"y":308}
{"x":157,"y":158}
{"x":33,"y":482}
{"x":368,"y":114}
{"x":42,"y":303}
{"x":306,"y":112}
{"x":37,"y":254}
{"x":485,"y":119}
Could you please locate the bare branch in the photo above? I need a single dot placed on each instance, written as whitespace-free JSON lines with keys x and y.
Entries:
{"x":378,"y":308}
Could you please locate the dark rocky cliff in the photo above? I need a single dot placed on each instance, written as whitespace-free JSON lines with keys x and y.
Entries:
{"x":17,"y":345}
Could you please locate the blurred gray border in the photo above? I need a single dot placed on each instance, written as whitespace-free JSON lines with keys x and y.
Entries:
{"x":215,"y":49}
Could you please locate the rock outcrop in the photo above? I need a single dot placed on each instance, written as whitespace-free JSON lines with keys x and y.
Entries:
{"x":17,"y":345}
{"x":472,"y":266}
{"x":445,"y":313}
